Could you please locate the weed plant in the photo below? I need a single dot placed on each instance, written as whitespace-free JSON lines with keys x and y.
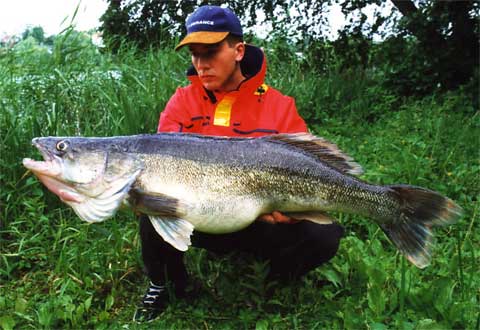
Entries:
{"x":58,"y":272}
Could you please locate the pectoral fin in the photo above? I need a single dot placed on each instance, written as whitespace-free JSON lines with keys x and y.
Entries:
{"x":174,"y":231}
{"x":104,"y":205}
{"x":317,"y":217}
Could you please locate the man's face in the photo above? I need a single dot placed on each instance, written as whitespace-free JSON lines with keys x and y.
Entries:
{"x":216,"y":65}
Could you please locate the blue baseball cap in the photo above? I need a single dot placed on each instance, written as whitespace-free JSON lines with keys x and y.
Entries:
{"x":209,"y":25}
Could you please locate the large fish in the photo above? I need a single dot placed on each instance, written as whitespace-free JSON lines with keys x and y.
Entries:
{"x":219,"y":185}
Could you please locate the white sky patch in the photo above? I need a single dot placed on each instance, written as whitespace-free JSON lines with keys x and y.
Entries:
{"x":336,"y":20}
{"x":17,"y":15}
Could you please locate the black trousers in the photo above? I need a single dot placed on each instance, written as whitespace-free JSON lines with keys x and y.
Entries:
{"x":293,"y":249}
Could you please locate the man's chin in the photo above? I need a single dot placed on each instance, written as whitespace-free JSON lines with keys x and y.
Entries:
{"x":211,"y":86}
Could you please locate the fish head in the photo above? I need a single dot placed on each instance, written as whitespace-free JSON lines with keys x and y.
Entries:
{"x":89,"y":174}
{"x":69,"y":165}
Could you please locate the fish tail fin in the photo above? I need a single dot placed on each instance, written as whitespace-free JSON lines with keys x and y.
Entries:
{"x":420,"y":210}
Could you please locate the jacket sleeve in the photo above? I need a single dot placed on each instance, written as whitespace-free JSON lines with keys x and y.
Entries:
{"x":291,"y":122}
{"x":174,"y":115}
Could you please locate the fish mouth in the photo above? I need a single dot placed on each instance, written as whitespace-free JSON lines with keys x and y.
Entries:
{"x":49,"y":173}
{"x":50,"y":166}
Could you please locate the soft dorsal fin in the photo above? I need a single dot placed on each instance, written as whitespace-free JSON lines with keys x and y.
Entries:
{"x":320,"y":148}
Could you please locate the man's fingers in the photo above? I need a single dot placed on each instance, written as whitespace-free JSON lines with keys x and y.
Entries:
{"x":267,"y":218}
{"x":277,"y":217}
{"x":282,"y":218}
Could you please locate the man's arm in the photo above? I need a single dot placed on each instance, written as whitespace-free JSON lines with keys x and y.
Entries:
{"x":290,"y":121}
{"x":174,"y":115}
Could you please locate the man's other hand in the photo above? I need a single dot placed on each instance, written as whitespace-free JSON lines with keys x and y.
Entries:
{"x":277,"y":217}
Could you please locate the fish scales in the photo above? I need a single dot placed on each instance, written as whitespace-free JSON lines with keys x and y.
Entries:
{"x":220,"y":193}
{"x":218,"y":185}
{"x":205,"y":174}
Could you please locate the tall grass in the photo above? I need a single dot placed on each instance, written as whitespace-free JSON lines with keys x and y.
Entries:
{"x":57,"y":272}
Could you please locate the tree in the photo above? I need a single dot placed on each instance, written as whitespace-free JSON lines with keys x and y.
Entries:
{"x":428,"y":44}
{"x":154,"y":22}
{"x":446,"y":38}
{"x":36,"y":33}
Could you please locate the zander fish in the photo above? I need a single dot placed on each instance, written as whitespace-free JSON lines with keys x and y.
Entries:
{"x":220,"y":185}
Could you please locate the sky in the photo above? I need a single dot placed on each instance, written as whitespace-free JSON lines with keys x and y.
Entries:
{"x":17,"y":15}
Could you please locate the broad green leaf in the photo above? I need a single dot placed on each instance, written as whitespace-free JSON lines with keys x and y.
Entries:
{"x":7,"y":322}
{"x":261,"y":325}
{"x":21,"y":305}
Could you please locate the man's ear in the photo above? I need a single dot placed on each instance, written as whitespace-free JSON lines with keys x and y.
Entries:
{"x":239,"y":51}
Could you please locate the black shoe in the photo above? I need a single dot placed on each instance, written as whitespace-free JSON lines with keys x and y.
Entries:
{"x":153,"y":303}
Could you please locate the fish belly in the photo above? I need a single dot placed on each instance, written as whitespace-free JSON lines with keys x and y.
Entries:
{"x":210,"y":204}
{"x":225,"y":215}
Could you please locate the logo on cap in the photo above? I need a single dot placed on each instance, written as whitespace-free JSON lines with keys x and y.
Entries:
{"x":201,"y":22}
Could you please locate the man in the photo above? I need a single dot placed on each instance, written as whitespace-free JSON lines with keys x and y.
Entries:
{"x":227,"y":97}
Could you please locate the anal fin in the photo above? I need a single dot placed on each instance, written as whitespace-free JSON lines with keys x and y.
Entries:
{"x":174,"y":231}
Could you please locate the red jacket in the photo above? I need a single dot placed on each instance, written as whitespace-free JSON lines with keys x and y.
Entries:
{"x":254,"y":109}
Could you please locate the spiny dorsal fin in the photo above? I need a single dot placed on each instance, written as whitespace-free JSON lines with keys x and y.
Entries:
{"x":322,"y":149}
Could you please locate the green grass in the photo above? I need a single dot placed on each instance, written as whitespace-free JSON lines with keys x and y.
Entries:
{"x":58,"y":272}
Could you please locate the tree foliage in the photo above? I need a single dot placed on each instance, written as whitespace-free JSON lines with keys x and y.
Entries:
{"x":38,"y":34}
{"x":152,"y":22}
{"x":426,"y":44}
{"x":435,"y":45}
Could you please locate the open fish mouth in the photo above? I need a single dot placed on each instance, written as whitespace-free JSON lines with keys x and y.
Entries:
{"x":47,"y":167}
{"x":50,"y":166}
{"x":49,"y":171}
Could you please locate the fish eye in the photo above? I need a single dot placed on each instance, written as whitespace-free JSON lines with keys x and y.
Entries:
{"x":62,"y":145}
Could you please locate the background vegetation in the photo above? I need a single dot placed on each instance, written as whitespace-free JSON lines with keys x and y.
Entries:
{"x":424,"y":40}
{"x":57,"y":272}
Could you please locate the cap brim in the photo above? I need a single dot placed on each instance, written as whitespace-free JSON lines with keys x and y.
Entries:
{"x":202,"y":37}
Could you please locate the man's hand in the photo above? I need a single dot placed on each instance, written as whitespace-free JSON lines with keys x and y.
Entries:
{"x":277,"y":217}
